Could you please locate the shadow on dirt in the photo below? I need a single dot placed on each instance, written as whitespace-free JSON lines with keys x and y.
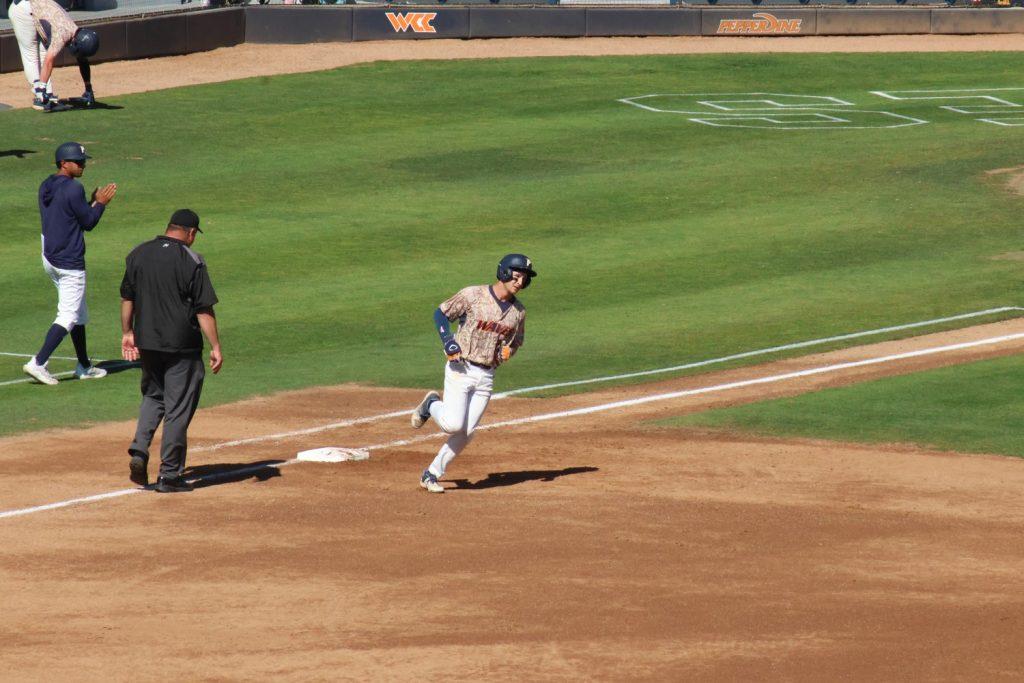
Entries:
{"x":203,"y":476}
{"x":512,"y":478}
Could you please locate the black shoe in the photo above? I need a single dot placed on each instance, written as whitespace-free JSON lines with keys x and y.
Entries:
{"x":175,"y":485}
{"x":137,"y":470}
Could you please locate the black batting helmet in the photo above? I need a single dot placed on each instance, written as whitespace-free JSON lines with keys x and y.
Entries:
{"x":85,"y":43}
{"x":520,"y":262}
{"x":70,"y":151}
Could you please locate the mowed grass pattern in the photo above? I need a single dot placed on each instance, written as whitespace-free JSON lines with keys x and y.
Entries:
{"x":336,"y":223}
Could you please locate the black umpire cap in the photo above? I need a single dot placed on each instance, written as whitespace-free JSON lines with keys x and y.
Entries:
{"x":185,"y":218}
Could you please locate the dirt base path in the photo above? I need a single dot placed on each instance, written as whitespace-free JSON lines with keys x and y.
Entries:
{"x":248,"y":60}
{"x":581,"y":547}
{"x":587,"y":546}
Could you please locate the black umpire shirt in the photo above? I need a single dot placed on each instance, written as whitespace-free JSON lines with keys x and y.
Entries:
{"x":168,"y":283}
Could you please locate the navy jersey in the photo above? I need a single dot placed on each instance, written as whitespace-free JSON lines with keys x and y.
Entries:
{"x":65,"y":215}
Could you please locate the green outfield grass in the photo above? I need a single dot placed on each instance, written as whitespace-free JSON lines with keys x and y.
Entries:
{"x":336,"y":223}
{"x":971,"y":408}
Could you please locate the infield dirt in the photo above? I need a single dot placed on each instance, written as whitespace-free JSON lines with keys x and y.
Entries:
{"x":593,"y":547}
{"x":587,"y":547}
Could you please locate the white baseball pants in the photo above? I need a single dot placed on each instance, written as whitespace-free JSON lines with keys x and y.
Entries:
{"x":70,"y":284}
{"x":467,"y":391}
{"x":32,"y":49}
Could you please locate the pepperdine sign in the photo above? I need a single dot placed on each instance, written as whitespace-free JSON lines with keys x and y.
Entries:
{"x":762,"y":23}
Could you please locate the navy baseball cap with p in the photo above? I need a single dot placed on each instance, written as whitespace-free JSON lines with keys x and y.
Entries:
{"x":185,"y":218}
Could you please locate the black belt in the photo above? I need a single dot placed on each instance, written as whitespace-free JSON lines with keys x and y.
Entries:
{"x":480,"y":365}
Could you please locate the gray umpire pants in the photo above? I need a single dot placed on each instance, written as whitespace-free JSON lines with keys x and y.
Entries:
{"x":171,"y":385}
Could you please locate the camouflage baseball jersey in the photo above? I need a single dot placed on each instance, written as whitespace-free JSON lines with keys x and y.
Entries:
{"x":483,"y":326}
{"x":53,"y":25}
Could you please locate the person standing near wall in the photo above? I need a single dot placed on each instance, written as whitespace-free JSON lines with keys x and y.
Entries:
{"x":43,"y":28}
{"x":30,"y":46}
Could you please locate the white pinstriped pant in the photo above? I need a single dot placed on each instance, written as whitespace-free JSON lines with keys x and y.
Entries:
{"x":467,"y":391}
{"x":32,"y":49}
{"x":70,"y":284}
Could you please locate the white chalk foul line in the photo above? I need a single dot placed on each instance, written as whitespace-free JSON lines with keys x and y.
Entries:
{"x":714,"y":388}
{"x":32,"y":355}
{"x":69,"y":503}
{"x":609,"y":378}
{"x":240,"y":472}
{"x":991,"y":341}
{"x":26,"y":380}
{"x":765,"y":351}
{"x":761,"y":380}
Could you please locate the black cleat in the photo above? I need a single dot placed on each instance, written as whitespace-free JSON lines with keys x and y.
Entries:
{"x":172,"y":485}
{"x":137,"y":469}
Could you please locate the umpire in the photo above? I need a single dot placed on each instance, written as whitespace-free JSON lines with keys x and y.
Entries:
{"x":166,"y":299}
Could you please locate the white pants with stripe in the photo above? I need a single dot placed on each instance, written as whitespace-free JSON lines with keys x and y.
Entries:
{"x":70,"y":284}
{"x":32,"y":49}
{"x":467,"y":391}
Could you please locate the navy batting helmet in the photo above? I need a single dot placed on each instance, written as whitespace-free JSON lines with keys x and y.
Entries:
{"x":85,"y":43}
{"x":70,"y":151}
{"x":520,"y":262}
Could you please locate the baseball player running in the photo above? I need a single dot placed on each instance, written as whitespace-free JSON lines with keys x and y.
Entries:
{"x":43,"y":28}
{"x":66,"y":215}
{"x":492,"y":327}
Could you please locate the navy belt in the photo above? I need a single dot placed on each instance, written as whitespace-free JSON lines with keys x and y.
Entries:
{"x":480,"y":365}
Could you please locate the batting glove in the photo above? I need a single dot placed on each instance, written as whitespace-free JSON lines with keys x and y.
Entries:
{"x":452,"y":349}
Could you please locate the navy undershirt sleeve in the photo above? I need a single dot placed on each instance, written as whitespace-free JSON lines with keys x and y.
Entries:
{"x":442,"y":326}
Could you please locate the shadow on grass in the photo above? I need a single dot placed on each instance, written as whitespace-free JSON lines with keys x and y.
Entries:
{"x":115,"y":366}
{"x":18,"y":153}
{"x":103,"y":105}
{"x":512,"y":478}
{"x":111,"y":366}
{"x":78,"y":104}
